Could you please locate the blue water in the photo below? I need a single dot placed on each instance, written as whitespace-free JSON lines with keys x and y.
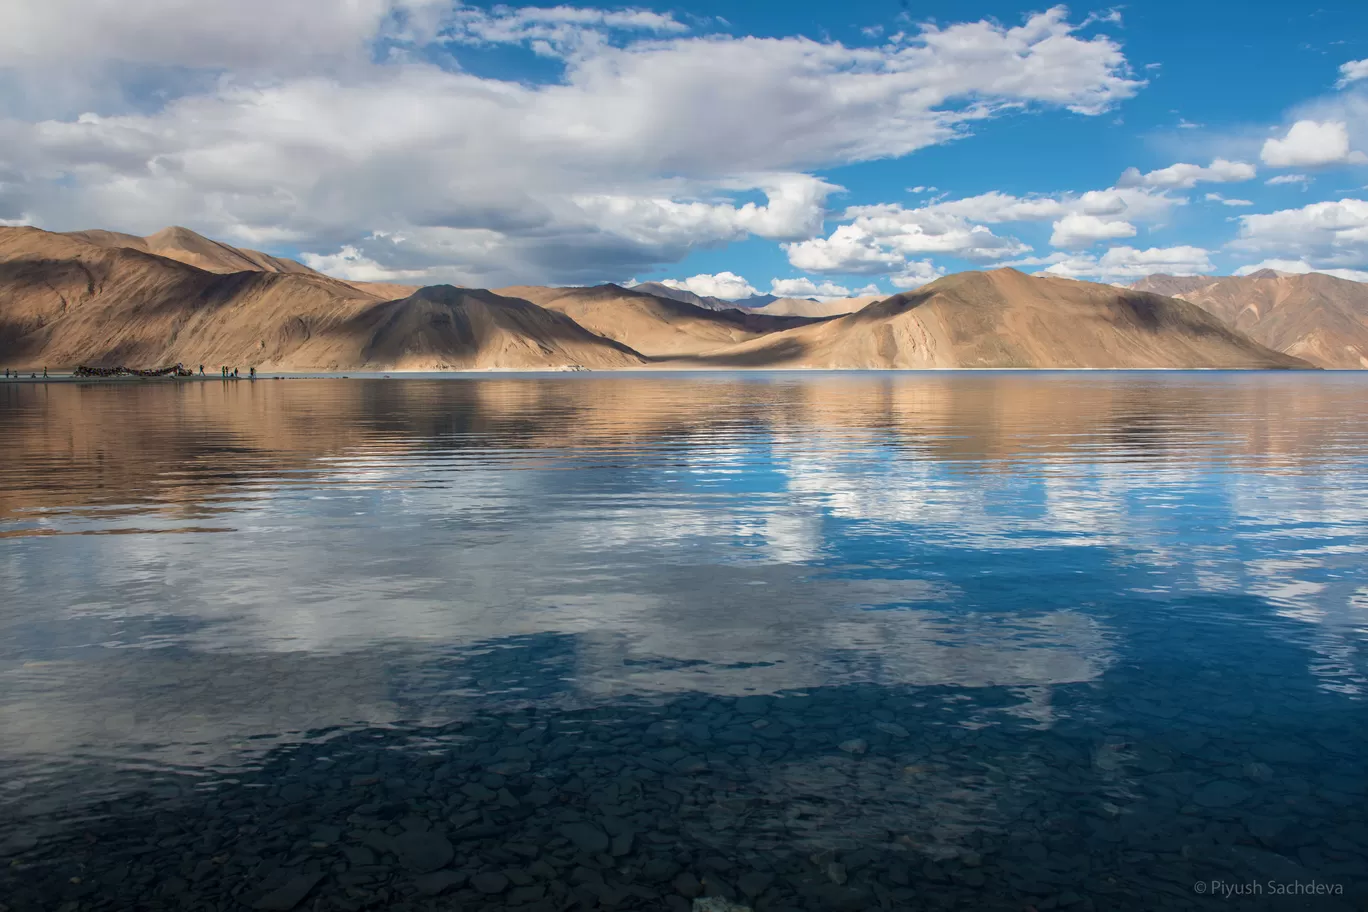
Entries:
{"x":791,"y":641}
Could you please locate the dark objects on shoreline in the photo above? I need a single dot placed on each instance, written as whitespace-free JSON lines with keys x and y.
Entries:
{"x":175,"y":370}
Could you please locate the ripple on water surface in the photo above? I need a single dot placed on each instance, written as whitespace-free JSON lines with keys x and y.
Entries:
{"x":795,"y":640}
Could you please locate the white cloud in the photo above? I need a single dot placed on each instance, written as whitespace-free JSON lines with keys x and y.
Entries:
{"x":244,"y":34}
{"x":1309,"y":143}
{"x":850,"y":250}
{"x":552,"y":31}
{"x":916,"y":273}
{"x":1352,"y":71}
{"x":725,"y":285}
{"x":317,"y":125}
{"x":806,"y":288}
{"x":1227,"y":201}
{"x":1330,"y":233}
{"x":349,"y":263}
{"x":1134,"y":203}
{"x":1288,"y":179}
{"x":1125,"y":263}
{"x":1185,"y":176}
{"x":929,"y":229}
{"x":1302,"y":267}
{"x":794,"y":210}
{"x":1079,"y":230}
{"x":880,"y":238}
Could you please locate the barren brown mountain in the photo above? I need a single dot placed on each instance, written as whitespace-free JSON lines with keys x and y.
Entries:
{"x":1314,"y":316}
{"x":445,"y":327}
{"x":652,"y":325}
{"x":65,"y":301}
{"x":1171,"y":286}
{"x":803,"y":307}
{"x":186,"y":246}
{"x":1005,"y":318}
{"x":98,"y":298}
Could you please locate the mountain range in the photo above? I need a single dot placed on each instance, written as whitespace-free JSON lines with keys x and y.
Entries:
{"x":1314,"y":316}
{"x":767,"y":303}
{"x":105,"y":298}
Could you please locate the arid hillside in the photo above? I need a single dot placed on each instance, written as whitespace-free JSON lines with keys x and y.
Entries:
{"x":1313,"y":316}
{"x":65,"y":301}
{"x":105,"y":299}
{"x":186,"y":246}
{"x":652,"y":325}
{"x":1007,"y":319}
{"x":805,"y":307}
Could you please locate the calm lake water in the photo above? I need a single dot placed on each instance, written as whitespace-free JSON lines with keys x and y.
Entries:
{"x":863,"y":641}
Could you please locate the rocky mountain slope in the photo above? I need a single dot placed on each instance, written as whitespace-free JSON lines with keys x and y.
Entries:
{"x":104,"y":299}
{"x":1006,"y":319}
{"x":652,"y":325}
{"x":806,"y":307}
{"x":186,"y":246}
{"x":1313,"y":316}
{"x":66,"y":301}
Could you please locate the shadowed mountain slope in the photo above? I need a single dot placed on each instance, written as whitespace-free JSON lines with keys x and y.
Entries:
{"x":652,"y":325}
{"x":1313,"y":316}
{"x":65,"y":301}
{"x":708,"y":302}
{"x":1006,"y":319}
{"x":186,"y":246}
{"x":806,"y":307}
{"x":446,"y":327}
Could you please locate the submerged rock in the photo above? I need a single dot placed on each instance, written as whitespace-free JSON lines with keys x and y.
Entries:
{"x":289,"y":895}
{"x":717,"y":904}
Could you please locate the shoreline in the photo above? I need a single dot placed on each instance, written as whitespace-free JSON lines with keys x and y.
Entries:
{"x":66,"y":377}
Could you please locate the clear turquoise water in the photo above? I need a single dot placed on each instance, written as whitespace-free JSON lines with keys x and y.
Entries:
{"x":977,"y":641}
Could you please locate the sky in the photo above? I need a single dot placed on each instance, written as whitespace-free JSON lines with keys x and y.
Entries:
{"x":795,"y":148}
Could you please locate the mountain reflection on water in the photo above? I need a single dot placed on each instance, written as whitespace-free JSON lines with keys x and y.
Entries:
{"x":801,"y":640}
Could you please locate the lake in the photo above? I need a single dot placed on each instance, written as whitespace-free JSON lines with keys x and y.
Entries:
{"x":791,"y":640}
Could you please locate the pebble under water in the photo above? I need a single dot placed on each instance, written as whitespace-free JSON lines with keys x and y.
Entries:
{"x":991,"y":641}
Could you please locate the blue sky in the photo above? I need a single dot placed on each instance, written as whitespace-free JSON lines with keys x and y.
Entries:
{"x":801,"y":148}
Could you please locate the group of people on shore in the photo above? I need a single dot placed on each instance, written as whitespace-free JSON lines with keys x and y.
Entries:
{"x":231,"y":373}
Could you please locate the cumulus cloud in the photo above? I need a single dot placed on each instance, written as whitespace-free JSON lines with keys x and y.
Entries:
{"x":1331,"y":234}
{"x":1080,"y":230}
{"x":245,"y":34}
{"x":1352,"y":71}
{"x":850,"y":249}
{"x":931,"y":229}
{"x":1227,"y":201}
{"x":1185,"y":176}
{"x":1309,"y":144}
{"x":1125,"y":263}
{"x":806,"y":288}
{"x":1134,"y":203}
{"x":313,"y":125}
{"x":726,"y":285}
{"x":916,"y":273}
{"x":351,"y":264}
{"x":882,"y":239}
{"x":1301,"y":267}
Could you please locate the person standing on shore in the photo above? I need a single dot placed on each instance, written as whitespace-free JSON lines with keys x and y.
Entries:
{"x":45,"y":373}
